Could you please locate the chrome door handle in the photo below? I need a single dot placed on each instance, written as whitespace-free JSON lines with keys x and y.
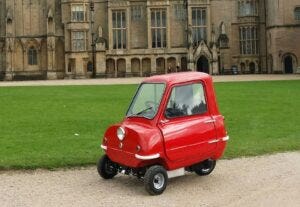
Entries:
{"x":210,"y":121}
{"x":164,"y":121}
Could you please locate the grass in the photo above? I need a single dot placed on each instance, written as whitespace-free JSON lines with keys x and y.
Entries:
{"x":261,"y":117}
{"x":50,"y":127}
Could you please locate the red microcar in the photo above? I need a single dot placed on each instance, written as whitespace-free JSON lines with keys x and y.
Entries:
{"x":173,"y":125}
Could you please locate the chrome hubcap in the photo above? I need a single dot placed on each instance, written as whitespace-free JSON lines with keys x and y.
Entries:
{"x":158,"y":181}
{"x":205,"y":170}
{"x":207,"y":166}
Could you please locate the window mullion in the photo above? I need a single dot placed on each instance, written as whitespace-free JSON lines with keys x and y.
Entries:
{"x":251,"y":42}
{"x":247,"y":40}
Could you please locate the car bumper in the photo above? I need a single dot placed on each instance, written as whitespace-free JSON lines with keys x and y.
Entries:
{"x":129,"y":159}
{"x":224,"y":139}
{"x":148,"y":157}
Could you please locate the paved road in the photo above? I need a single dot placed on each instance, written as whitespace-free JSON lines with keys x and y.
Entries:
{"x":260,"y":181}
{"x":227,"y":78}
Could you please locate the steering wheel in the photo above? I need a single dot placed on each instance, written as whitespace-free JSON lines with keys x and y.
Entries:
{"x":151,"y":104}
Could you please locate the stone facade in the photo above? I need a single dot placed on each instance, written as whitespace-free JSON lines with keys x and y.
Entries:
{"x":51,"y":39}
{"x":282,"y":36}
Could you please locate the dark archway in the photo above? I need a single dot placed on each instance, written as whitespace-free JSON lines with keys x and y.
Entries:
{"x":243,"y":67}
{"x":252,"y":67}
{"x":89,"y":67}
{"x":160,"y":66}
{"x":288,"y":65}
{"x":203,"y":65}
{"x":146,"y":66}
{"x":135,"y":67}
{"x":183,"y":64}
{"x":121,"y":68}
{"x":110,"y":68}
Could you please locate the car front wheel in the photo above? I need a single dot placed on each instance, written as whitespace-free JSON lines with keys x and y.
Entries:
{"x":156,"y":180}
{"x":106,"y":168}
{"x":205,"y":167}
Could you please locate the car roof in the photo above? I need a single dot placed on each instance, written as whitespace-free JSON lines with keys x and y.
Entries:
{"x":175,"y":78}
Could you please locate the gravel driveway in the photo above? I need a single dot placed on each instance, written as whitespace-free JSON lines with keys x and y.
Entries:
{"x":260,"y":181}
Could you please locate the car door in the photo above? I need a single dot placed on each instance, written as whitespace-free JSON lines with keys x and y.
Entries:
{"x":186,"y":125}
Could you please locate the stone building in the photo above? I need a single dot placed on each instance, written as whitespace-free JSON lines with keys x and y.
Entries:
{"x":52,"y":39}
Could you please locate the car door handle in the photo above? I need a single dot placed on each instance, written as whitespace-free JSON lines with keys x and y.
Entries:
{"x":210,"y":121}
{"x":164,"y":121}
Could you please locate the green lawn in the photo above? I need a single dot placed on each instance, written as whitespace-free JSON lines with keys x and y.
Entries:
{"x":51,"y":127}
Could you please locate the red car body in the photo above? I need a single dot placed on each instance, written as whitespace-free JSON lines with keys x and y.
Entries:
{"x":173,"y":143}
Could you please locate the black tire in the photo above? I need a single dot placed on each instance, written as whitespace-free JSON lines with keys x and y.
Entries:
{"x":205,"y":167}
{"x":156,"y":180}
{"x":106,"y":168}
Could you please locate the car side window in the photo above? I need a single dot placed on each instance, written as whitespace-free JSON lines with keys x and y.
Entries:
{"x":186,"y":100}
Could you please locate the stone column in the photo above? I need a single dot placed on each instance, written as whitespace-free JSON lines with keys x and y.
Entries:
{"x":190,"y":60}
{"x":100,"y":55}
{"x":141,"y":67}
{"x":149,"y":30}
{"x":9,"y":58}
{"x":2,"y":56}
{"x":100,"y":63}
{"x":51,"y":70}
{"x":128,"y":36}
{"x":166,"y":65}
{"x":168,"y":28}
{"x":110,"y":35}
{"x":153,"y":65}
{"x":79,"y":70}
{"x":116,"y":67}
{"x":128,"y":67}
{"x":215,"y":65}
{"x":9,"y":61}
{"x":66,"y":65}
{"x":178,"y":64}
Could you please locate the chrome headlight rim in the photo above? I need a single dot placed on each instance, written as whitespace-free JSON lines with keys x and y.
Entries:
{"x":121,"y":133}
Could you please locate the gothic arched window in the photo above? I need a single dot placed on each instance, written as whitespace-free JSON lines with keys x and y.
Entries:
{"x":32,"y":56}
{"x":199,"y":24}
{"x":159,"y":27}
{"x":119,"y":29}
{"x":249,"y":40}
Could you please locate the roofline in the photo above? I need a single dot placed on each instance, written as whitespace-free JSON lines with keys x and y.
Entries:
{"x":175,"y":78}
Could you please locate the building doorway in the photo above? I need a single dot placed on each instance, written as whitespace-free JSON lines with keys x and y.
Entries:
{"x":288,"y":65}
{"x":203,"y":65}
{"x":243,"y":68}
{"x":252,"y":67}
{"x":89,"y":67}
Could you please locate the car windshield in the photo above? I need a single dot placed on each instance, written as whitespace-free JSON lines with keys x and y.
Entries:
{"x":146,"y":101}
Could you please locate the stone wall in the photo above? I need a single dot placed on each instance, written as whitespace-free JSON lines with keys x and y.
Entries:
{"x":283,"y":36}
{"x":34,"y":25}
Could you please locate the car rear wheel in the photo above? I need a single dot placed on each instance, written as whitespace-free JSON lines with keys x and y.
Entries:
{"x":156,"y":180}
{"x":106,"y":168}
{"x":205,"y":167}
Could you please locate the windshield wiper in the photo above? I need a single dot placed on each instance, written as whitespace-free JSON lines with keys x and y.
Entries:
{"x":141,"y":112}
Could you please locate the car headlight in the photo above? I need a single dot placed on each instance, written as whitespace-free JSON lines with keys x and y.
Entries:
{"x":121,"y":133}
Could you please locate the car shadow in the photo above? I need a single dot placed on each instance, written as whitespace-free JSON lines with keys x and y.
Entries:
{"x":133,"y":186}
